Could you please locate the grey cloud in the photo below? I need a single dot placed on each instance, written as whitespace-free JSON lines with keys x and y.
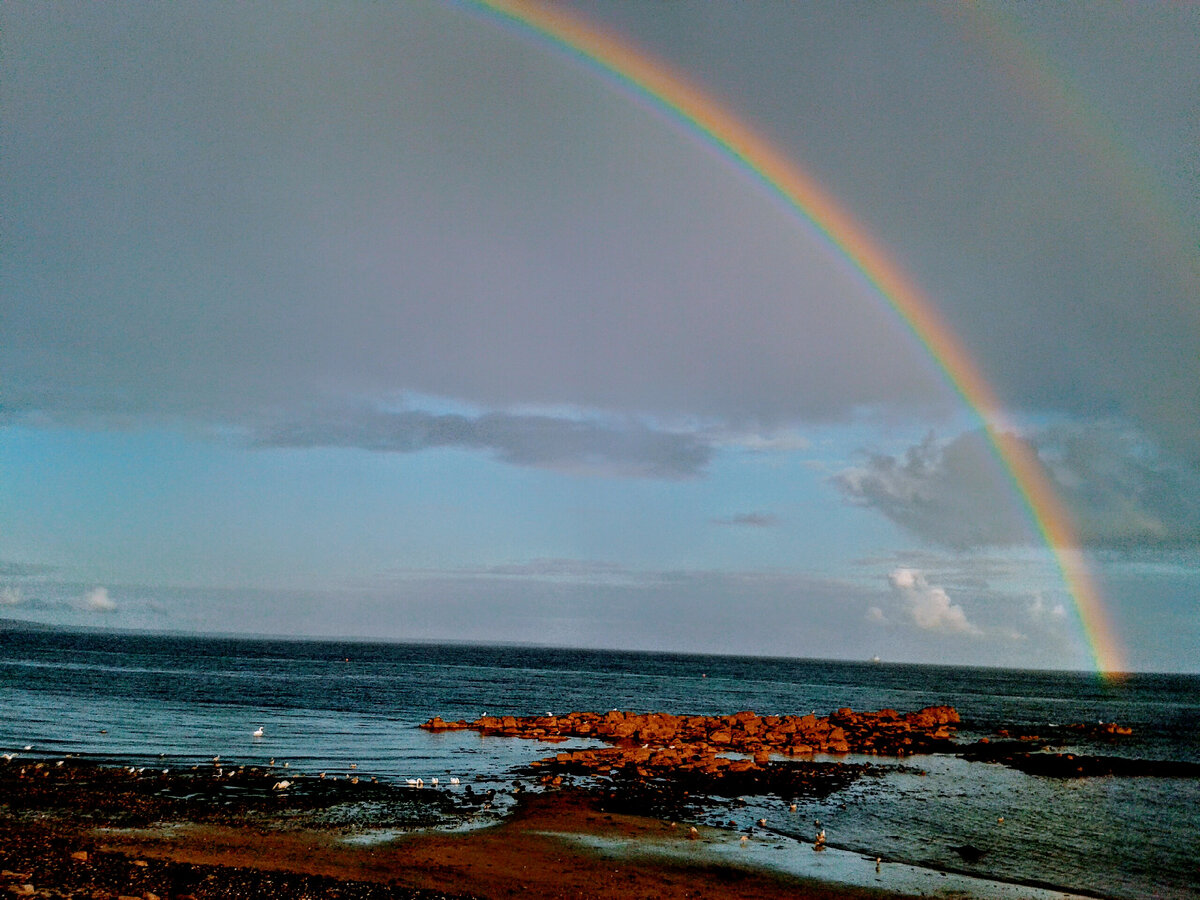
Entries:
{"x":953,"y":494}
{"x":24,"y":570}
{"x":750,"y":520}
{"x":565,"y":571}
{"x":559,"y":568}
{"x":1123,"y":492}
{"x":627,"y":449}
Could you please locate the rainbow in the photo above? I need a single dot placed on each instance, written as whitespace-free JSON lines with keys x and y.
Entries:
{"x":698,"y":112}
{"x":1021,"y":54}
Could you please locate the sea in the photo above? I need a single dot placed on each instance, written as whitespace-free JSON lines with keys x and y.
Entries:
{"x":172,"y":701}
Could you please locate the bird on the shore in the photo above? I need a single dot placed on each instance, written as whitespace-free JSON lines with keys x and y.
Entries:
{"x":454,"y":779}
{"x":282,"y":785}
{"x":433,"y":781}
{"x":9,"y":756}
{"x":693,"y":833}
{"x":412,"y":782}
{"x":745,"y":838}
{"x":762,"y":823}
{"x":258,"y":732}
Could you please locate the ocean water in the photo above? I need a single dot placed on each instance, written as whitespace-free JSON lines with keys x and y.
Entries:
{"x":174,"y":701}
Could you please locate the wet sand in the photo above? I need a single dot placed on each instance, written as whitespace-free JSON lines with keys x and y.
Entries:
{"x":81,"y":831}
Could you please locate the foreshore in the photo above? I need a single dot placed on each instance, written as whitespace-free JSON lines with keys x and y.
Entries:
{"x":611,"y":822}
{"x":82,"y":831}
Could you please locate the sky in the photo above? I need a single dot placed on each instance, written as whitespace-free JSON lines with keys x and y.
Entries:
{"x":405,"y":322}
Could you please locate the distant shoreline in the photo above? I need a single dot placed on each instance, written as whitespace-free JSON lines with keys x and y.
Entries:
{"x":28,"y":625}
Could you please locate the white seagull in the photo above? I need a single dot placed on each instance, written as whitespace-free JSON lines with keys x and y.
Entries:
{"x":258,"y":732}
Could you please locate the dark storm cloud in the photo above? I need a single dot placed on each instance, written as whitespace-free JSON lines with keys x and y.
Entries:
{"x":1035,"y":169}
{"x":628,"y":449}
{"x":212,"y":214}
{"x":1123,"y":492}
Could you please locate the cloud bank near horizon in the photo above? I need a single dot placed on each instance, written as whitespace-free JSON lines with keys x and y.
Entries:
{"x":588,"y":603}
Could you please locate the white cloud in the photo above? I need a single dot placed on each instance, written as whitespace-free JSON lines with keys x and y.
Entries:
{"x":11,"y":596}
{"x":876,"y":616}
{"x":930,"y":606}
{"x":1040,"y":611}
{"x":97,"y":600}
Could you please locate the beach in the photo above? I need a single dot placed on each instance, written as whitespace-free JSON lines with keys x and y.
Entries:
{"x":77,"y":830}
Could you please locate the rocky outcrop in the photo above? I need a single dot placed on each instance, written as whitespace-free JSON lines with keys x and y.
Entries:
{"x":1101,"y":729}
{"x":716,"y":747}
{"x":844,"y":731}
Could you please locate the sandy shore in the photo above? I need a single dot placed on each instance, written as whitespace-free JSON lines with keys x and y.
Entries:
{"x":84,"y":832}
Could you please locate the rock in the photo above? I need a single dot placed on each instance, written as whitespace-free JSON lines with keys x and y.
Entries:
{"x":970,"y":853}
{"x":438,"y":724}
